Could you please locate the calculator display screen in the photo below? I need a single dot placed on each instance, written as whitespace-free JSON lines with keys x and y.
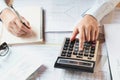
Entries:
{"x":75,"y":62}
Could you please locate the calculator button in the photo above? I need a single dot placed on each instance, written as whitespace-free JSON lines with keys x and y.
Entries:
{"x":71,"y":45}
{"x":86,"y":54}
{"x":69,"y":52}
{"x":72,"y":42}
{"x":85,"y":43}
{"x":68,"y":55}
{"x":89,"y":58}
{"x":66,"y":45}
{"x":65,"y":48}
{"x":91,"y":55}
{"x":67,"y":39}
{"x":67,"y":42}
{"x":86,"y":51}
{"x":77,"y":40}
{"x":88,"y":44}
{"x":93,"y":48}
{"x":76,"y":50}
{"x":87,"y":48}
{"x":63,"y":54}
{"x":81,"y":52}
{"x":92,"y":51}
{"x":70,"y":49}
{"x":75,"y":53}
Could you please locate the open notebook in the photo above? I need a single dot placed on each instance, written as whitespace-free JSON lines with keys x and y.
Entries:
{"x":35,"y":17}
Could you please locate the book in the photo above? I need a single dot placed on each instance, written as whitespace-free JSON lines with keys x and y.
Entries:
{"x":34,"y":15}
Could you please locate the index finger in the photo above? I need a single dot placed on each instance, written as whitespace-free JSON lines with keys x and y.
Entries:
{"x":21,"y":26}
{"x":74,"y":34}
{"x":81,"y":39}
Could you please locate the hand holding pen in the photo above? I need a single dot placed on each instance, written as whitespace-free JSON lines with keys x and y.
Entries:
{"x":15,"y":23}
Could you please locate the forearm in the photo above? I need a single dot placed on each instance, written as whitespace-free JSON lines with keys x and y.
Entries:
{"x":2,"y":7}
{"x":102,"y":8}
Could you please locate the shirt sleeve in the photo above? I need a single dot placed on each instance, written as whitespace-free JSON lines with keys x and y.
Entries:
{"x":2,"y":5}
{"x":102,"y":8}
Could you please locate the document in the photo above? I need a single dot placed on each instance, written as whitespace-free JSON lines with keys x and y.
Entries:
{"x":19,"y":63}
{"x":34,"y":16}
{"x":112,"y":32}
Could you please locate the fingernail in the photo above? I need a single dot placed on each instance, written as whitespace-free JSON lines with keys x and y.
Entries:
{"x":80,"y":48}
{"x":71,"y":38}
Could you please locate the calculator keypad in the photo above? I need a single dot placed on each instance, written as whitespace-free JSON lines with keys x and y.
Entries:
{"x":71,"y":50}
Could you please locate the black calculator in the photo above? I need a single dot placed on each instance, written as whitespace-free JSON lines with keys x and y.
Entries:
{"x":73,"y":58}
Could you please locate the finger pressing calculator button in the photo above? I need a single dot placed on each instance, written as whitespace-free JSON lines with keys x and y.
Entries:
{"x":72,"y":42}
{"x":81,"y":52}
{"x":76,"y":50}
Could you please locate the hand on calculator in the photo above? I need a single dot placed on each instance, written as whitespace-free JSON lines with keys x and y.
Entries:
{"x":87,"y":29}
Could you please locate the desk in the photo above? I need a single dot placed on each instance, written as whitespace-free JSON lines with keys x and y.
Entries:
{"x":102,"y":72}
{"x":48,"y":53}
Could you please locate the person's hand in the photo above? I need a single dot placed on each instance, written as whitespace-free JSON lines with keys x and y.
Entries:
{"x":87,"y":29}
{"x":13,"y":24}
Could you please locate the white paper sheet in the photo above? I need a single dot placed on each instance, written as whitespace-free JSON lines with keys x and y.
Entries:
{"x":112,"y":32}
{"x":18,"y":64}
{"x":60,"y":15}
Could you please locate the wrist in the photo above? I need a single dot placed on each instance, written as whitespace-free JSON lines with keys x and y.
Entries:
{"x":7,"y":15}
{"x":90,"y":16}
{"x":2,"y":14}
